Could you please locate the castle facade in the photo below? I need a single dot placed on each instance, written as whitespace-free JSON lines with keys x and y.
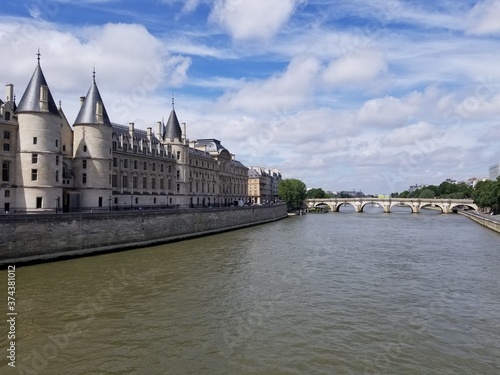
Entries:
{"x":50,"y":166}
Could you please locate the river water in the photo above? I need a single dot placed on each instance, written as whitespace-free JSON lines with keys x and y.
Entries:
{"x":337,"y":293}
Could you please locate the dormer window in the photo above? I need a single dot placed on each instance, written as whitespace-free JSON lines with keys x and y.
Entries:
{"x":7,"y":116}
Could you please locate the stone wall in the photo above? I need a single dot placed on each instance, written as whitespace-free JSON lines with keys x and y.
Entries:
{"x":484,"y":221}
{"x":41,"y":237}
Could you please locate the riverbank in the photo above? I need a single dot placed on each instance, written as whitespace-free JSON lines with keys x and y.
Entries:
{"x":27,"y":239}
{"x":488,"y":222}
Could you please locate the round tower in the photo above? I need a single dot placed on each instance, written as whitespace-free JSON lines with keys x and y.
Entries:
{"x":39,"y":160}
{"x":176,"y":138}
{"x":92,"y":160}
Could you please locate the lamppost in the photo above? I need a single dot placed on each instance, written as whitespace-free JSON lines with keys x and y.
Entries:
{"x":109,"y":202}
{"x":131,"y":198}
{"x":57,"y":204}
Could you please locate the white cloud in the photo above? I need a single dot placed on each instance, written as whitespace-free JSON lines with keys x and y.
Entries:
{"x":282,"y":92}
{"x":355,"y":68}
{"x":252,"y":19}
{"x":411,"y":134}
{"x":484,"y":18}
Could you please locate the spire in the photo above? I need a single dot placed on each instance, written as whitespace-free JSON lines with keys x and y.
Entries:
{"x":93,"y":110}
{"x":30,"y":101}
{"x":173,"y":128}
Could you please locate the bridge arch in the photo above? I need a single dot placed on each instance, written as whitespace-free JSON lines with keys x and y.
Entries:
{"x":471,"y":206}
{"x":337,"y":207}
{"x":368,"y":202}
{"x":401,"y":204}
{"x":434,"y":204}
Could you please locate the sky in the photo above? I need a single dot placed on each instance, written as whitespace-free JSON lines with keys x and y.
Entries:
{"x":344,"y":95}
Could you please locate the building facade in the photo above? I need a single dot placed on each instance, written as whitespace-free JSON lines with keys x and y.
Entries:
{"x":494,"y":171}
{"x":263,"y":185}
{"x":49,"y":165}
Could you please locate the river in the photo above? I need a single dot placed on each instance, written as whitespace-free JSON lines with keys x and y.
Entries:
{"x":337,"y":293}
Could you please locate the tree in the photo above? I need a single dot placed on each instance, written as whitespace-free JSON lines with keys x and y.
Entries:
{"x":487,"y":194}
{"x":316,"y":193}
{"x":427,"y":193}
{"x":293,"y":192}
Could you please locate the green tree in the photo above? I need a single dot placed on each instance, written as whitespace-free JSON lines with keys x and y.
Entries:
{"x":427,"y":193}
{"x":316,"y":193}
{"x":293,"y":192}
{"x":487,"y":194}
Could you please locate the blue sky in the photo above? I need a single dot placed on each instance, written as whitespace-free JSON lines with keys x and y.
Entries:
{"x":367,"y":95}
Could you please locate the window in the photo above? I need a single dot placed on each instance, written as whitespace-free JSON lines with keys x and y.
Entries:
{"x":154,"y":200}
{"x":134,"y":182}
{"x":153,"y":183}
{"x":178,"y":188}
{"x":7,"y":116}
{"x":35,"y":140}
{"x":113,"y":180}
{"x":84,"y":178}
{"x":136,"y":200}
{"x":57,"y":160}
{"x":57,"y":143}
{"x":38,"y":202}
{"x":162,"y":184}
{"x":178,"y":155}
{"x":57,"y":176}
{"x":125,"y":147}
{"x":116,"y":200}
{"x":84,"y":164}
{"x":125,"y":163}
{"x":114,"y":145}
{"x":145,"y":165}
{"x":6,"y":134}
{"x":162,"y":168}
{"x":125,"y":182}
{"x":6,"y":147}
{"x":169,"y":169}
{"x":115,"y":162}
{"x":154,"y":167}
{"x":144,"y":183}
{"x":34,"y":174}
{"x":99,"y":203}
{"x":7,"y":193}
{"x":178,"y":174}
{"x":135,"y":164}
{"x":84,"y":148}
{"x":64,"y":148}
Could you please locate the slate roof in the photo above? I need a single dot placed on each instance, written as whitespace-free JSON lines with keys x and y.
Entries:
{"x":87,"y":113}
{"x":172,"y":128}
{"x":30,"y":102}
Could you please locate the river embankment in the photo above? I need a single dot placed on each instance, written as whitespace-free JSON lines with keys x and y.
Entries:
{"x":36,"y":238}
{"x":486,"y":221}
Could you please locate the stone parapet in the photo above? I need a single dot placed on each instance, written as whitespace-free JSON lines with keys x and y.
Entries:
{"x":45,"y":237}
{"x":493,"y":224}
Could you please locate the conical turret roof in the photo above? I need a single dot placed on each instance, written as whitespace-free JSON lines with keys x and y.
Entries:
{"x":87,"y":113}
{"x":172,"y":128}
{"x":30,"y":102}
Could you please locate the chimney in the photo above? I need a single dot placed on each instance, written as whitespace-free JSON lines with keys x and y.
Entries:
{"x":131,"y":129}
{"x":9,"y":92}
{"x":160,"y":129}
{"x":44,"y":100}
{"x":98,"y":112}
{"x":82,"y":99}
{"x":149,"y":132}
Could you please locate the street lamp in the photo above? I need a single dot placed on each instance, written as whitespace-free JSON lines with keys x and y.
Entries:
{"x":109,"y":202}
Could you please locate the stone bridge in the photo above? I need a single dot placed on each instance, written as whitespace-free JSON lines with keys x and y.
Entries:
{"x":416,"y":204}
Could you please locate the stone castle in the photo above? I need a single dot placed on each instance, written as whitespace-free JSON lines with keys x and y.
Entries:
{"x":49,"y":165}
